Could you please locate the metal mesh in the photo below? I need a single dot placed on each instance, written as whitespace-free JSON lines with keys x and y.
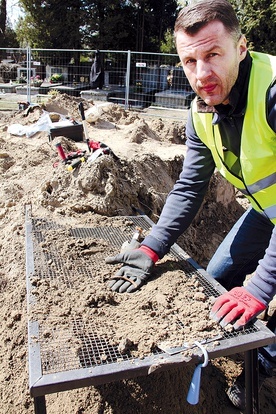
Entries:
{"x":96,"y":349}
{"x":48,"y":264}
{"x":113,"y":235}
{"x":80,"y":345}
{"x":77,"y":343}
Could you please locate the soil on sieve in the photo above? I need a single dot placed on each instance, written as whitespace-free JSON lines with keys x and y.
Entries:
{"x":103,"y":194}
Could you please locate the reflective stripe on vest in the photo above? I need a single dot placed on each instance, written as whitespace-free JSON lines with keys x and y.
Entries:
{"x":257,"y":179}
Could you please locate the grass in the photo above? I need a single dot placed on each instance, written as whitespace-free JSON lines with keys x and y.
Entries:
{"x":8,"y":105}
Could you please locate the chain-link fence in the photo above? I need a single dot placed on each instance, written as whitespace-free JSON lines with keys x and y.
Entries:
{"x":132,"y":79}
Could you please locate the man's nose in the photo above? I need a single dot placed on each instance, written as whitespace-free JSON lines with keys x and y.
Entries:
{"x":203,"y":70}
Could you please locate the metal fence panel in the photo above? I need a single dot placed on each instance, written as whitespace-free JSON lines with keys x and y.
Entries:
{"x":133,"y":79}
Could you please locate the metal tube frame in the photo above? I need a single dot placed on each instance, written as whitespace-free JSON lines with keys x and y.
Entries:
{"x":42,"y":384}
{"x":252,"y":382}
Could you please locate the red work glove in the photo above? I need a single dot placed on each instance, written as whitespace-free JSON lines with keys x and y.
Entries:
{"x":236,"y":306}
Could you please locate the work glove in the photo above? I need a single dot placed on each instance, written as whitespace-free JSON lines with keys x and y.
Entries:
{"x":137,"y":267}
{"x":237,"y":306}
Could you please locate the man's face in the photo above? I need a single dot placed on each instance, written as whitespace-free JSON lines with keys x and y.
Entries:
{"x":210,"y":60}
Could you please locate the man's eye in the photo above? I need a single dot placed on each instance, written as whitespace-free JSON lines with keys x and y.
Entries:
{"x":189,"y":61}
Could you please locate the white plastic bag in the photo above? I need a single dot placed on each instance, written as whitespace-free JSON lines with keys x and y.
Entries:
{"x":17,"y":129}
{"x":43,"y":124}
{"x":93,"y":114}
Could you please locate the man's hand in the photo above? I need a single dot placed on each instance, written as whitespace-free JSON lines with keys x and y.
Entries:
{"x":137,"y":267}
{"x":236,"y":306}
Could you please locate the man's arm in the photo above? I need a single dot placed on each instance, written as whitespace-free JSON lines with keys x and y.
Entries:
{"x":180,"y":208}
{"x":242,"y":304}
{"x":263,"y":284}
{"x":271,"y":107}
{"x":184,"y":201}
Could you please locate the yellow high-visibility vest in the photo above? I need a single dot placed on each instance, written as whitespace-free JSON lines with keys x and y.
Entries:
{"x":257,"y":178}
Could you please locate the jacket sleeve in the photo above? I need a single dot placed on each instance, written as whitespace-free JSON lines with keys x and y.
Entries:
{"x":186,"y":197}
{"x":271,"y":107}
{"x":263,"y":284}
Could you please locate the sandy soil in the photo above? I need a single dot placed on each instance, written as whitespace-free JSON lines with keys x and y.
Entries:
{"x":148,"y":157}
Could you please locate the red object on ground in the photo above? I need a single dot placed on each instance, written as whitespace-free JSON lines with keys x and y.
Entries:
{"x":60,"y":151}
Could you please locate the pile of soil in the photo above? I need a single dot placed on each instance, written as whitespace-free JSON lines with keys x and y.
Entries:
{"x":149,"y":153}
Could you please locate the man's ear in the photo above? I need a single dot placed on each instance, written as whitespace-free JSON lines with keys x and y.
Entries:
{"x":242,"y":47}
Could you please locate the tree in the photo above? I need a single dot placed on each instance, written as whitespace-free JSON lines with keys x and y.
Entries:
{"x":3,"y":18}
{"x":101,"y":24}
{"x":7,"y":34}
{"x":50,"y":24}
{"x":108,"y":25}
{"x":154,"y":18}
{"x":168,"y":45}
{"x":258,"y":22}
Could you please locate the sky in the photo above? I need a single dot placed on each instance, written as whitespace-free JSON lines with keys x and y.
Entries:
{"x":13,"y":11}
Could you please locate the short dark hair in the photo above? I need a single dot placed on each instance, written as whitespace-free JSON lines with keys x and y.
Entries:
{"x":199,"y":13}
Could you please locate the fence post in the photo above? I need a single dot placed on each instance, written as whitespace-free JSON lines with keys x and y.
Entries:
{"x":28,"y":52}
{"x":127,"y":80}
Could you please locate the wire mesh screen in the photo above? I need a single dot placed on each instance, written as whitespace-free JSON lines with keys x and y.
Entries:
{"x":114,"y":235}
{"x":74,"y":342}
{"x":75,"y":345}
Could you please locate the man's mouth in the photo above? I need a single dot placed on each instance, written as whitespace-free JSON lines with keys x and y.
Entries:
{"x":209,"y":88}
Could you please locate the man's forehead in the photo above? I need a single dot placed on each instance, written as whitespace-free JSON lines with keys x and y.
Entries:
{"x":208,"y":38}
{"x":214,"y":28}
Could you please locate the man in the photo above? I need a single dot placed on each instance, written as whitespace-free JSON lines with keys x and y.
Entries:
{"x":231,"y":126}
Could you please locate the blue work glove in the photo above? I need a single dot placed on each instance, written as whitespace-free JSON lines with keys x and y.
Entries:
{"x":137,"y":267}
{"x":237,"y":306}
